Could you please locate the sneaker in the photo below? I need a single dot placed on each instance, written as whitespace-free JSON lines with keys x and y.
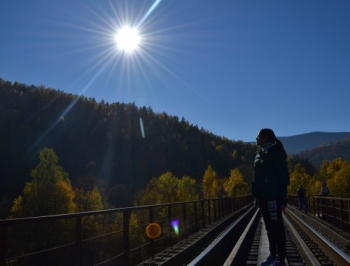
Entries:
{"x":269,"y":260}
{"x":277,"y":263}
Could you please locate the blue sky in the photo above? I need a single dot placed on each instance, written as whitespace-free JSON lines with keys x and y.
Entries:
{"x":228,"y":66}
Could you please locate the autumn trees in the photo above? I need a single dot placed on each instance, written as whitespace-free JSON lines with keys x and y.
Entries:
{"x":108,"y":136}
{"x":82,"y":131}
{"x":235,"y":185}
{"x":51,"y":192}
{"x":168,"y":188}
{"x":336,"y":173}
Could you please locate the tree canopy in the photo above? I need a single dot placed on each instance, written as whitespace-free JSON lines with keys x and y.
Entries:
{"x":49,"y":192}
{"x":104,"y":140}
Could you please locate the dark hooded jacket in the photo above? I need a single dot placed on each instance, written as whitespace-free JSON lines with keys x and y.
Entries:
{"x":271,"y":176}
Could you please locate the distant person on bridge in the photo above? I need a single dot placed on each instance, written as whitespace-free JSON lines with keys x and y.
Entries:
{"x":269,"y":188}
{"x":301,"y":198}
{"x":324,"y":193}
{"x":324,"y":190}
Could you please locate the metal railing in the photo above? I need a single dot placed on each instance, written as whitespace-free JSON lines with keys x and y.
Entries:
{"x":106,"y":237}
{"x":335,"y":211}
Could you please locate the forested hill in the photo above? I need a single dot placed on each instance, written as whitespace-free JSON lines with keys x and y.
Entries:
{"x":328,"y":151}
{"x":105,"y":140}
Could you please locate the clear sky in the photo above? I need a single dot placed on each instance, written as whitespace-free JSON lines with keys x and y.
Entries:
{"x":228,"y":66}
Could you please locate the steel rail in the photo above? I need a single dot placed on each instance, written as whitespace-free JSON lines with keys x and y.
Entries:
{"x":308,"y":256}
{"x":236,"y":248}
{"x":211,"y":248}
{"x":337,"y":255}
{"x":326,"y":230}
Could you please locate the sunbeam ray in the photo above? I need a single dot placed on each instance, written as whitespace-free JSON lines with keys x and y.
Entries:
{"x":155,"y":4}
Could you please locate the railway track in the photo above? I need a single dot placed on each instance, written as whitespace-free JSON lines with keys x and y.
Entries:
{"x":243,"y":241}
{"x":317,"y":242}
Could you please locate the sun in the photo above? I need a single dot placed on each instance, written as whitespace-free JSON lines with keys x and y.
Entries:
{"x":128,"y":39}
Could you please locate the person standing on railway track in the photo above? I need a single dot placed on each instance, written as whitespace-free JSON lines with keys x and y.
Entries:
{"x":269,"y":188}
{"x":301,"y":198}
{"x":324,"y":193}
{"x":324,"y":190}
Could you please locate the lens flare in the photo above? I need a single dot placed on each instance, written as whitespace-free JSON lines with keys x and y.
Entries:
{"x":142,"y":128}
{"x":175,"y":225}
{"x":153,"y":230}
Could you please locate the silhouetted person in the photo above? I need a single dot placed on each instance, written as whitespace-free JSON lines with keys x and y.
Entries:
{"x":324,"y":193}
{"x":301,"y":197}
{"x":324,"y":190}
{"x":269,"y":188}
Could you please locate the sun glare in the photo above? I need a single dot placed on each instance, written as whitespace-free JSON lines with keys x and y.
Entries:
{"x":128,"y":39}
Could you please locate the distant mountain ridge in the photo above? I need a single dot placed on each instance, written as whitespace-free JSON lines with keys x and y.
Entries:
{"x":309,"y":141}
{"x":319,"y":146}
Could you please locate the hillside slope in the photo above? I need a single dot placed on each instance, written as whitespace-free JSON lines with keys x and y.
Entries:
{"x":328,"y":151}
{"x":118,"y":143}
{"x":308,"y":141}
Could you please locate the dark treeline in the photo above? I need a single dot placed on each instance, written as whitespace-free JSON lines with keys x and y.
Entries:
{"x":105,"y":140}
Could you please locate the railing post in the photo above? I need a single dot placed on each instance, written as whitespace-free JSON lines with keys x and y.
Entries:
{"x":209,"y":213}
{"x":317,"y":207}
{"x":334,"y":212}
{"x":78,"y":240}
{"x":224,"y":201}
{"x":228,"y":206}
{"x":224,"y":206}
{"x":169,"y":224}
{"x":126,"y":236}
{"x":341,"y":215}
{"x":215,"y":215}
{"x":348,"y":228}
{"x":203,"y":213}
{"x":223,"y":210}
{"x":151,"y":220}
{"x":220,"y":208}
{"x":3,"y":244}
{"x":232,"y":204}
{"x":185,"y":219}
{"x":196,"y":215}
{"x":151,"y":216}
{"x":218,"y":202}
{"x":327,"y":210}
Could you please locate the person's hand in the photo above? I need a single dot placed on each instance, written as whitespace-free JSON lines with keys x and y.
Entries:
{"x":283,"y":207}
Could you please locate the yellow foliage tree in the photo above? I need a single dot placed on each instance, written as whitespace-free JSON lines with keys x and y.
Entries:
{"x":235,"y":184}
{"x":336,"y":173}
{"x":88,"y":200}
{"x":187,"y":190}
{"x":339,"y":184}
{"x":50,"y":191}
{"x":210,"y":183}
{"x":299,"y":177}
{"x":167,"y":187}
{"x":150,"y":195}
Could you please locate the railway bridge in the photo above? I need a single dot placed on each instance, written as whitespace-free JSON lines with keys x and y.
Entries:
{"x":226,"y":231}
